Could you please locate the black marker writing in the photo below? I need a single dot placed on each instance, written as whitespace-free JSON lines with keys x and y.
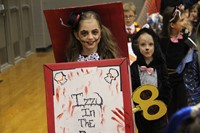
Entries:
{"x":92,"y":101}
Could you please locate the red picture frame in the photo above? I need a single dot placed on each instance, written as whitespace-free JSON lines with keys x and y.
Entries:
{"x":112,"y":16}
{"x":64,"y":79}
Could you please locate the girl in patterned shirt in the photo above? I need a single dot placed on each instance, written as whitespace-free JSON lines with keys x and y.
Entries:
{"x":90,"y":39}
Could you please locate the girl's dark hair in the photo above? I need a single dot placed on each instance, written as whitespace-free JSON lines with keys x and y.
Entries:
{"x":75,"y":17}
{"x":157,"y":55}
{"x":168,"y":14}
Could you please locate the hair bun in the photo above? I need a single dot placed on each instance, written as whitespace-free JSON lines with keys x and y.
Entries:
{"x":73,"y":19}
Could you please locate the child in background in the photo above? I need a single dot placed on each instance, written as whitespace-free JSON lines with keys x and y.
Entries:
{"x":182,"y":61}
{"x":194,"y":17}
{"x":183,"y":4}
{"x":131,"y":27}
{"x":90,"y":39}
{"x":149,"y":56}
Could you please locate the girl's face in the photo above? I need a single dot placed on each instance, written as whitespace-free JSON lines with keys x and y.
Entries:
{"x":146,"y":46}
{"x":193,"y":14}
{"x":89,"y":35}
{"x":129,"y":18}
{"x":177,"y":26}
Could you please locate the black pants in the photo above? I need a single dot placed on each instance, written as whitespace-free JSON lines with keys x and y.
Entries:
{"x":179,"y":96}
{"x":153,"y":126}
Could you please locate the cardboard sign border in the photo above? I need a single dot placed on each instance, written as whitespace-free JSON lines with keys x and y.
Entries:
{"x":112,"y":16}
{"x":125,"y":82}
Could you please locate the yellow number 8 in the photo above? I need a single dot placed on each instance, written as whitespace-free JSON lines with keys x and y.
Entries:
{"x":145,"y":96}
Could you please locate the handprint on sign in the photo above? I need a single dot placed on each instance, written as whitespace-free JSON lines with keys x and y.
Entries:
{"x":60,"y":78}
{"x":119,"y":118}
{"x":111,"y":75}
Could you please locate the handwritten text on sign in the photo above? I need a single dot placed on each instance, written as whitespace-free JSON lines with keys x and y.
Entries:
{"x":88,"y":100}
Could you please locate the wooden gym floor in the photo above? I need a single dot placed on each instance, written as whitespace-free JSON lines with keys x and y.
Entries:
{"x":22,"y":95}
